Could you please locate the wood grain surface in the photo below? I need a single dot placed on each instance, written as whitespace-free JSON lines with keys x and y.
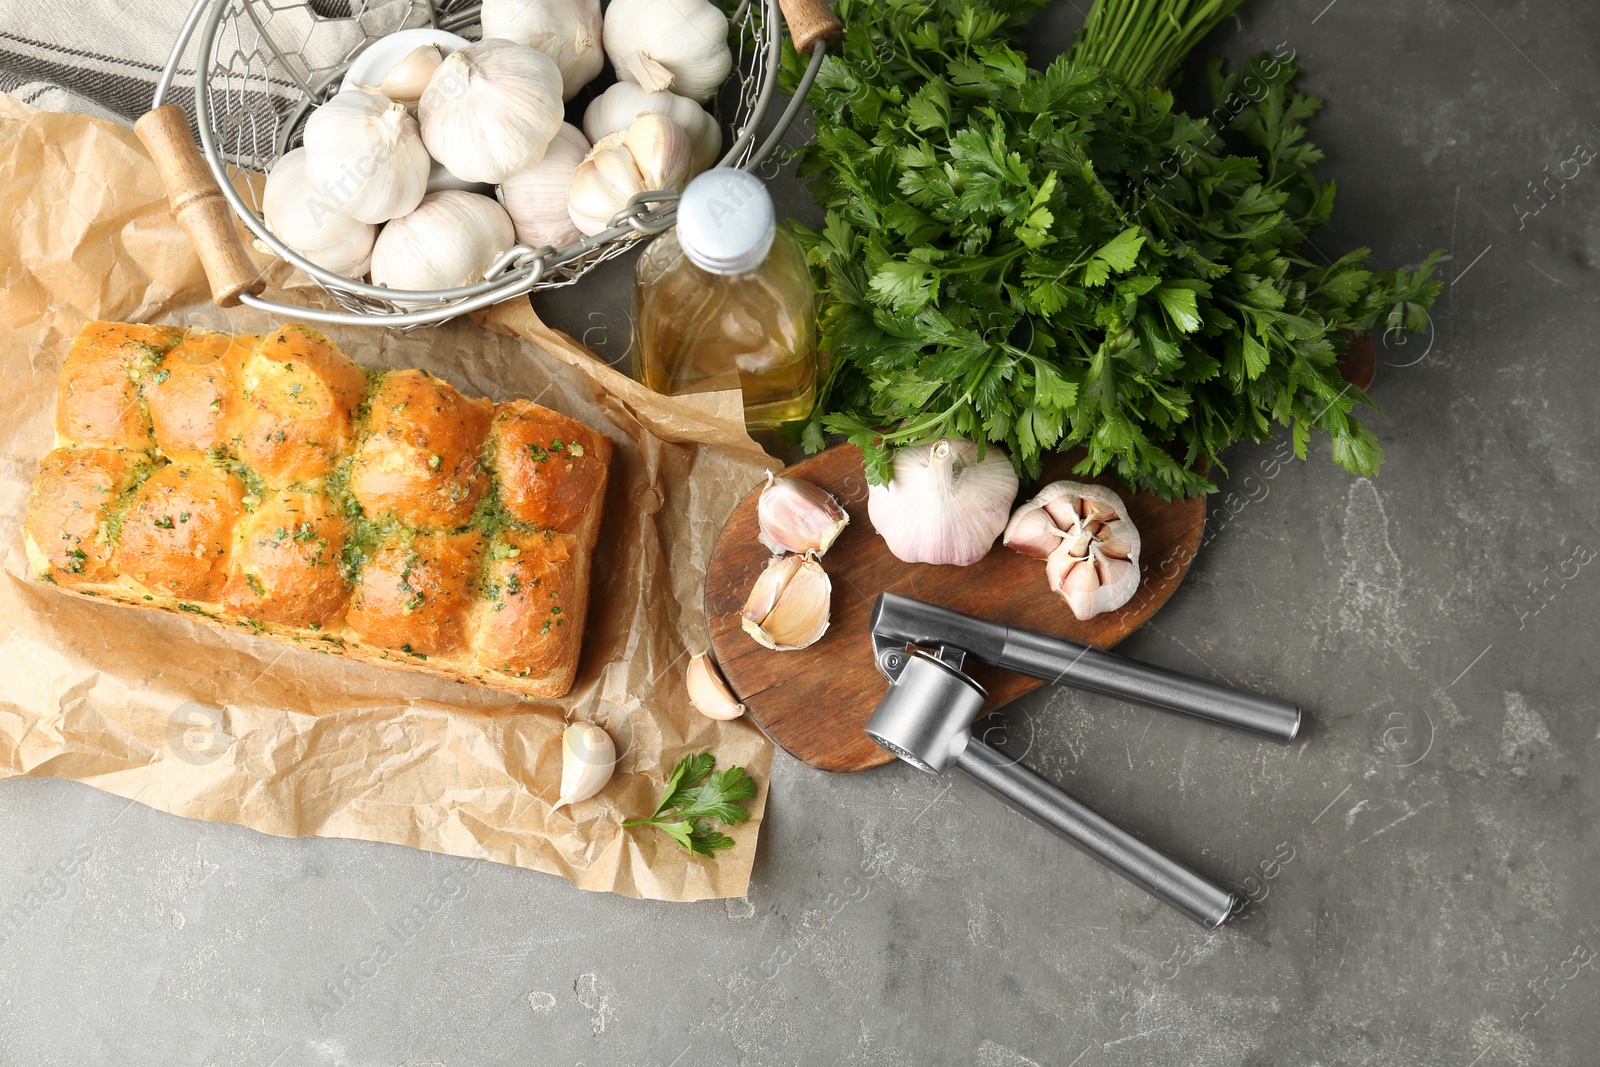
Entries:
{"x":815,"y":702}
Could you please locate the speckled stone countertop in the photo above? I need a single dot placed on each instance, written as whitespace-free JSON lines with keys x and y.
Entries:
{"x":1423,"y":855}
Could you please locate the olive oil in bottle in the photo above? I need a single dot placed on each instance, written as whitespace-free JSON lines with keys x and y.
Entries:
{"x":725,"y":299}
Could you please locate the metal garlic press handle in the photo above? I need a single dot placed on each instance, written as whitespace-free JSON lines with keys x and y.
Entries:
{"x":1062,"y":662}
{"x":1159,"y":875}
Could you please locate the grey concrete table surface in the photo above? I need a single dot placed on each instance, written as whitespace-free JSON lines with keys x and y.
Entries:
{"x":1422,"y":857}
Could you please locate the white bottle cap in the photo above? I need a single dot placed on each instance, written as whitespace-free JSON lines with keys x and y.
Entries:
{"x":726,"y":222}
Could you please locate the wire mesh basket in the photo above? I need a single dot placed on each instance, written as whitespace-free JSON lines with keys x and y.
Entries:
{"x":262,"y":66}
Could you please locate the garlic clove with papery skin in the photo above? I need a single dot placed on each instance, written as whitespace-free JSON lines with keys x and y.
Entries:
{"x":617,"y":107}
{"x":943,"y":504}
{"x":788,"y":606}
{"x":588,"y":758}
{"x":681,"y":45}
{"x":568,"y":31}
{"x":709,"y":692}
{"x":660,"y":150}
{"x":406,"y":79}
{"x":491,"y":109}
{"x":381,"y":55}
{"x":449,"y":240}
{"x":796,"y":516}
{"x":651,"y":154}
{"x":602,"y":185}
{"x":364,"y":152}
{"x":1085,"y":533}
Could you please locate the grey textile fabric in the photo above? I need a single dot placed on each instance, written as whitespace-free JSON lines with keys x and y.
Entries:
{"x":103,"y":57}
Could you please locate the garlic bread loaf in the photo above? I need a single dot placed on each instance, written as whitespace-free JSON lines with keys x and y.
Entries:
{"x":273,"y":485}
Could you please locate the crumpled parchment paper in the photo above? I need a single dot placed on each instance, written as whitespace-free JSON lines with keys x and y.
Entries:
{"x":211,"y":724}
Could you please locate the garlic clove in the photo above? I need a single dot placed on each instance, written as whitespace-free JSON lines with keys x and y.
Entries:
{"x":652,"y":154}
{"x":1118,"y":539}
{"x":568,"y":31}
{"x":536,"y":197}
{"x":943,"y":504}
{"x":1096,"y":510}
{"x":708,"y":690}
{"x":1032,"y":532}
{"x":681,"y":45}
{"x":449,"y":240}
{"x":1110,"y":569}
{"x":602,"y":185}
{"x":307,"y":222}
{"x":406,"y":79}
{"x":1077,"y":582}
{"x":491,"y":109}
{"x":380,"y":55}
{"x":660,"y":150}
{"x":788,"y":606}
{"x":617,"y":107}
{"x":796,"y":516}
{"x":588,"y":758}
{"x":364,"y":152}
{"x":1095,"y":566}
{"x":1063,"y":512}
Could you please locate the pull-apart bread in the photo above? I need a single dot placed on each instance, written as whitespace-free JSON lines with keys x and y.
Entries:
{"x":271,"y":484}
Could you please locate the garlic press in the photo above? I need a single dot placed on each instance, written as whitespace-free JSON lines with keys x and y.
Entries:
{"x":926,"y":719}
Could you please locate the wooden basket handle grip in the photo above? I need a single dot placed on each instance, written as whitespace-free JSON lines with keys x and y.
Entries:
{"x":808,"y":21}
{"x":198,"y":204}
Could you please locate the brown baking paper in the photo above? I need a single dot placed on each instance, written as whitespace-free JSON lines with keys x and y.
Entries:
{"x":212,"y":724}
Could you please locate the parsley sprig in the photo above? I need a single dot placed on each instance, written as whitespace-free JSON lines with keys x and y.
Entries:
{"x":1058,"y":259}
{"x":694,"y":797}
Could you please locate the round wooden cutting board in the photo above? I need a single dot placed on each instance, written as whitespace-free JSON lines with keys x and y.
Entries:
{"x":815,"y":702}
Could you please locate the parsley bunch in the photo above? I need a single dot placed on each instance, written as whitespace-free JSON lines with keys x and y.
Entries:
{"x":1059,"y":258}
{"x":694,"y":796}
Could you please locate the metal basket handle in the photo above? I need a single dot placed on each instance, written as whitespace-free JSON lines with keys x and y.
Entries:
{"x":198,"y":204}
{"x":809,"y":21}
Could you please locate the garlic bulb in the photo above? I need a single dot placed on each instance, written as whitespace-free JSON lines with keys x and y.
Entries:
{"x":788,"y":607}
{"x":365,"y":153}
{"x":617,"y":107}
{"x":406,"y":79}
{"x":536,"y":197}
{"x":651,"y":154}
{"x":943,"y":504}
{"x":568,"y":31}
{"x":708,"y":692}
{"x":588,"y":757}
{"x":491,"y":109}
{"x":450,"y":240}
{"x":796,"y":516}
{"x":1090,"y":542}
{"x":307,"y":221}
{"x":680,"y":45}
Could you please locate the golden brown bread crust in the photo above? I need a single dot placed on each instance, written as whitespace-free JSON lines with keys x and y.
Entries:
{"x":416,"y":593}
{"x":549,"y":466}
{"x":529,"y":584}
{"x":299,"y":393}
{"x":71,"y":502}
{"x":420,"y":459}
{"x":193,"y":395}
{"x":272,"y":485}
{"x":97,"y":399}
{"x":286,"y":563}
{"x":178,"y":531}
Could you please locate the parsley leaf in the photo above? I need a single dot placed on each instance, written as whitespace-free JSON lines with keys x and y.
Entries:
{"x":1059,"y":259}
{"x":695,"y":795}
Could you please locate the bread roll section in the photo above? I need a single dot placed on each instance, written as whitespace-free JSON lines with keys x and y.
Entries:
{"x":273,"y":485}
